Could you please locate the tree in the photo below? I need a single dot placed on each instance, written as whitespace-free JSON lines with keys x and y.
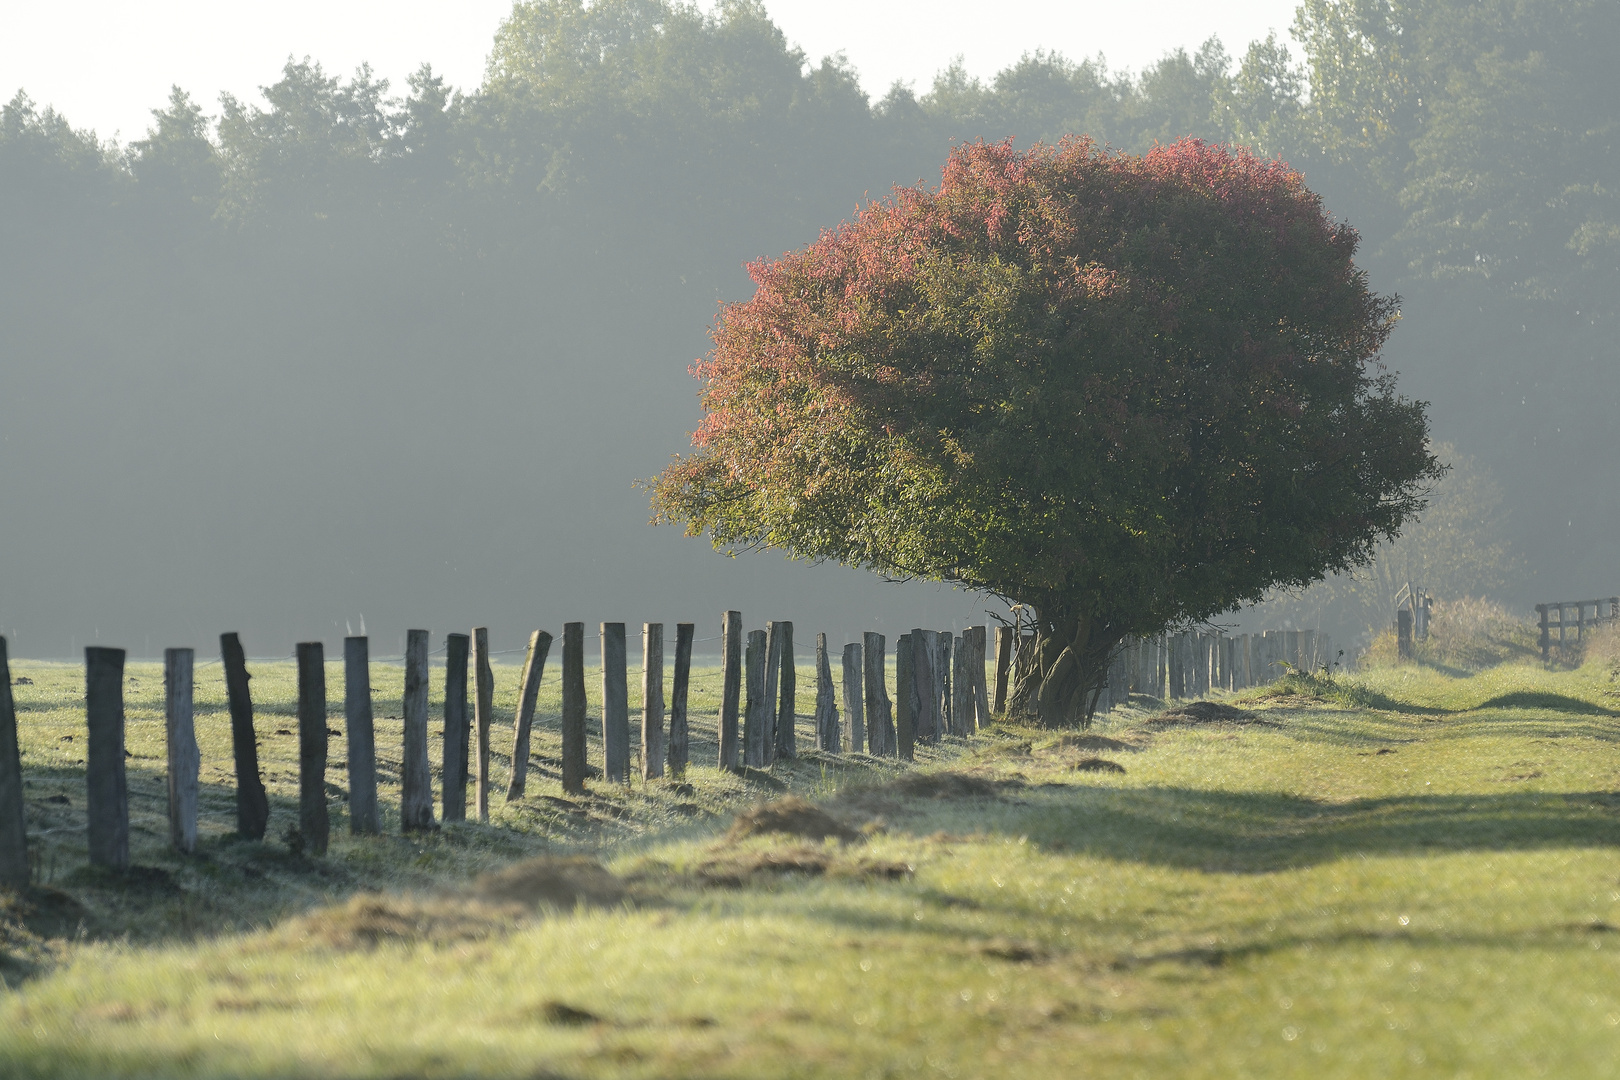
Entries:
{"x":1127,"y":392}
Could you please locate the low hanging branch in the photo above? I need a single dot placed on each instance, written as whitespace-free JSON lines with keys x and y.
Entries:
{"x":1127,"y":392}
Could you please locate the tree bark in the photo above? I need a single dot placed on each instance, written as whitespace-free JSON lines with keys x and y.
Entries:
{"x":1062,"y":672}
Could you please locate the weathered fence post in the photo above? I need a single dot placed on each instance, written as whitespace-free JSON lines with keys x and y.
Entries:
{"x":454,"y":796}
{"x":1403,"y":634}
{"x":924,"y":701}
{"x":13,"y":826}
{"x":943,"y":639}
{"x":787,"y":710}
{"x":363,"y":817}
{"x":826,"y":707}
{"x":252,"y":804}
{"x":615,"y":705}
{"x":773,"y":678}
{"x":313,"y":826}
{"x":1546,"y":634}
{"x":1174,"y":666}
{"x":652,"y":700}
{"x":905,"y":698}
{"x":1004,"y":651}
{"x":573,"y":708}
{"x":184,"y":760}
{"x":415,"y":774}
{"x":731,"y":664}
{"x":853,"y":703}
{"x":534,"y":669}
{"x":107,"y":794}
{"x":961,"y":685}
{"x":981,"y":689}
{"x":880,"y":715}
{"x":754,"y":706}
{"x":678,"y":734}
{"x":483,"y":714}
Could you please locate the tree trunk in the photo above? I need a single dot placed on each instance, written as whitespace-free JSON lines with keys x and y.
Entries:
{"x":1062,"y":670}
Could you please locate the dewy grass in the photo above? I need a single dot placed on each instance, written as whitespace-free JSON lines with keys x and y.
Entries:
{"x":1410,"y":874}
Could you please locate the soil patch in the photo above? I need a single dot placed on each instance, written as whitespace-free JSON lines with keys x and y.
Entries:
{"x":365,"y":922}
{"x":1094,"y":743}
{"x":1097,"y":764}
{"x":949,"y":785}
{"x":791,"y":816}
{"x":1209,"y":712}
{"x":551,"y":881}
{"x":736,"y":868}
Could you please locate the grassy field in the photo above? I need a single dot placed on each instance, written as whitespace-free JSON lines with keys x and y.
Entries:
{"x":1412,"y":872}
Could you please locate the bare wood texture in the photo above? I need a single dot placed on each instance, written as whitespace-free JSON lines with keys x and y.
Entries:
{"x":773,"y":678}
{"x":483,"y":714}
{"x":981,"y":688}
{"x":962,"y":685}
{"x":363,"y":817}
{"x":416,"y":776}
{"x":453,"y":797}
{"x":678,"y":733}
{"x":879,"y":713}
{"x":827,"y":737}
{"x":184,"y":760}
{"x":754,"y":708}
{"x":925,"y":701}
{"x":534,"y":669}
{"x":313,"y":825}
{"x":731,"y":665}
{"x":652,"y":700}
{"x":905,"y":698}
{"x":252,"y":804}
{"x":787,"y":709}
{"x":573,"y":708}
{"x":13,"y":827}
{"x":942,"y":680}
{"x":854,"y":706}
{"x":1004,"y":651}
{"x":615,"y":705}
{"x":107,"y":788}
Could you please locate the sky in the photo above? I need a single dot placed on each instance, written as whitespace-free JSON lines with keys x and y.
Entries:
{"x":105,"y":64}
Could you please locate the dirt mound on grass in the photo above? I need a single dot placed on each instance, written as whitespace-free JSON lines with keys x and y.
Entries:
{"x":733,"y":868}
{"x":948,"y":785}
{"x":365,"y":922}
{"x":791,"y":816}
{"x":551,"y":881}
{"x":1208,"y":712}
{"x":1094,"y":743}
{"x":1097,"y":764}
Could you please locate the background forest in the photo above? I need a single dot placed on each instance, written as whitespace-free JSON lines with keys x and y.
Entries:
{"x":401,"y":351}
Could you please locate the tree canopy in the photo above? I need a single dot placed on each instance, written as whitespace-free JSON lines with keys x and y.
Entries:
{"x":1126,"y":391}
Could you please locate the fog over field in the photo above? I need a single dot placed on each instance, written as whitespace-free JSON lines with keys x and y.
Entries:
{"x":401,"y":353}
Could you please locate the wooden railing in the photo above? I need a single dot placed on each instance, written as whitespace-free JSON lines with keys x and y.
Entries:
{"x":1603,"y":611}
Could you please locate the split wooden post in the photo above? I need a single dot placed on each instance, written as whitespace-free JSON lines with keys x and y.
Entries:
{"x":754,"y":709}
{"x":454,"y":795}
{"x":1004,"y":651}
{"x":731,"y":665}
{"x":773,"y":678}
{"x":534,"y":668}
{"x":787,"y":709}
{"x":962,"y":685}
{"x":312,"y":821}
{"x":483,"y":714}
{"x":827,"y":738}
{"x":615,"y":705}
{"x":853,"y":704}
{"x":363,"y":816}
{"x":184,"y":760}
{"x":905,"y":698}
{"x":13,"y":827}
{"x":252,"y":804}
{"x":573,"y":708}
{"x":880,"y":716}
{"x":942,"y":641}
{"x":678,"y":735}
{"x":652,"y":700}
{"x":107,"y":788}
{"x":416,"y":776}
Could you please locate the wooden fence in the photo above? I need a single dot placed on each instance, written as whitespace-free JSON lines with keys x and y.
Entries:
{"x":1605,"y":610}
{"x":940,"y":690}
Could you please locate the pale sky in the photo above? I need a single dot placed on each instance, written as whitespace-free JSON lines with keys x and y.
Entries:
{"x":106,"y":63}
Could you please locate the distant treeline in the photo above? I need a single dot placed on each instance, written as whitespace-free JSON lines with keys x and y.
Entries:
{"x":346,"y":317}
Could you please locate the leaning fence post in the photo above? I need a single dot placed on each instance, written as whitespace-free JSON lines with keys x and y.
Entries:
{"x":879,"y":713}
{"x":905,"y":697}
{"x":573,"y":708}
{"x":652,"y":700}
{"x":483,"y":713}
{"x":754,"y":707}
{"x":787,"y":709}
{"x":826,"y":707}
{"x":677,"y":700}
{"x":615,"y":705}
{"x":853,"y":705}
{"x":107,"y":794}
{"x":534,"y":668}
{"x":312,"y":821}
{"x":454,"y":795}
{"x":416,"y":777}
{"x":252,"y":804}
{"x":362,"y":733}
{"x":184,"y":761}
{"x":13,"y":827}
{"x":731,"y":665}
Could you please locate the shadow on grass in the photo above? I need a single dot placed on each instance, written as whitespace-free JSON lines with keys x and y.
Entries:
{"x":1251,"y":832}
{"x":1545,"y":700}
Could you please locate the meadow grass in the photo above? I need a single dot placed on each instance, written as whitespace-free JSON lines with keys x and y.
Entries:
{"x":1406,"y":872}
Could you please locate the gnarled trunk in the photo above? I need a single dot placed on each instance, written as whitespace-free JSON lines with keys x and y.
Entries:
{"x":1061,"y":674}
